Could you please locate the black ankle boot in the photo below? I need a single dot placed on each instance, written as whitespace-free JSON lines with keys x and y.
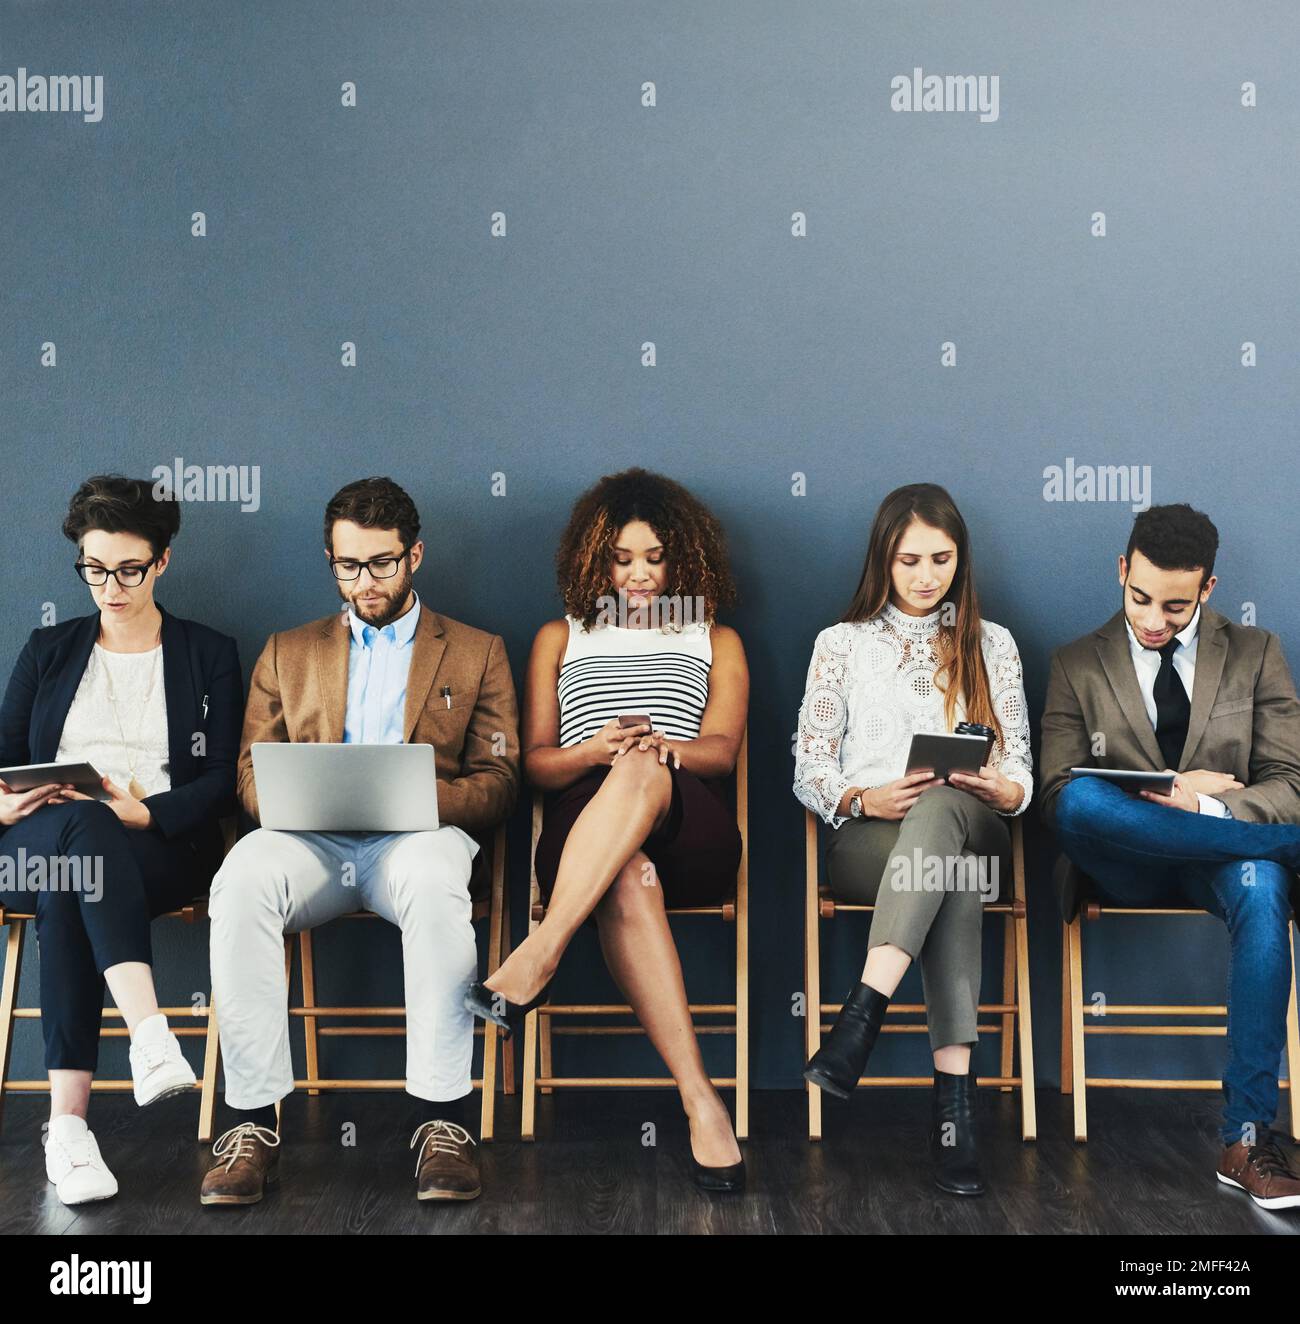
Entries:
{"x":954,"y":1142}
{"x":838,"y":1063}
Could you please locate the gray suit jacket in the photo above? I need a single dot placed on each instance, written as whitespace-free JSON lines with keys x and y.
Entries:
{"x":1245,"y":720}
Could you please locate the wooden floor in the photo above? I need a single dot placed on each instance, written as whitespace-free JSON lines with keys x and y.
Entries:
{"x":1148,"y":1169}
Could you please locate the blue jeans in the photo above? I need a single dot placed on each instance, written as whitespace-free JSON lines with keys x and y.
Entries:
{"x":1145,"y":854}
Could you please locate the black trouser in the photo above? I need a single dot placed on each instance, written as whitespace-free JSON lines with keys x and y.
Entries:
{"x":83,"y":930}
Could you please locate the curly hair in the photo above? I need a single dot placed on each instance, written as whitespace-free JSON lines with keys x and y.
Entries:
{"x":1175,"y":538}
{"x":693,"y":540}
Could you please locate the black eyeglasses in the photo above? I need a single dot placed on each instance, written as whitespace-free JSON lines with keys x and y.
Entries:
{"x":128,"y":576}
{"x":380,"y":567}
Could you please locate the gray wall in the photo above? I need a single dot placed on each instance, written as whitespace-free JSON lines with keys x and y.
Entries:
{"x":777,"y":355}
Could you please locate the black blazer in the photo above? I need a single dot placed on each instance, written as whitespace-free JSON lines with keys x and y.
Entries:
{"x":204,"y":690}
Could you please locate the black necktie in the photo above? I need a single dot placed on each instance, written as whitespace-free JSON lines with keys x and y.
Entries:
{"x":1173,"y":708}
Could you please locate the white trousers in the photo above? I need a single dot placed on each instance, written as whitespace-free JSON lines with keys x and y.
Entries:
{"x":273,"y":883}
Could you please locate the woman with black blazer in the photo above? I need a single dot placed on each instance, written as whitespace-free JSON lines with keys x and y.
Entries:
{"x":155,"y":702}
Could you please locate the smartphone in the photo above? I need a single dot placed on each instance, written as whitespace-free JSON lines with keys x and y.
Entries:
{"x":633,"y":719}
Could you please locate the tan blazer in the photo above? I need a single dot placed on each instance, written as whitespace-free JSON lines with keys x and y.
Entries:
{"x":1245,"y":719}
{"x":299,"y":691}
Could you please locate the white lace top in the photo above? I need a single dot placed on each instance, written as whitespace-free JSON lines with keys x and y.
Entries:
{"x":871,"y":686}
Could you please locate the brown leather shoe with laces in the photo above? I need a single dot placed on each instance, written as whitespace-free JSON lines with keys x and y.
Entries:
{"x":246,"y":1162}
{"x":445,"y":1166}
{"x":1261,"y":1170}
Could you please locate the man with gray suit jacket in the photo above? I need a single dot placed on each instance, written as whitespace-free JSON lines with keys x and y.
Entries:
{"x":1168,"y":684}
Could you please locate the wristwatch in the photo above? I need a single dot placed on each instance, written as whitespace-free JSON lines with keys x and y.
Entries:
{"x":855,"y":805}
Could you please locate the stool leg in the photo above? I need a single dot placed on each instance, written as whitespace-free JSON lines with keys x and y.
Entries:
{"x":487,"y":1114}
{"x":544,"y":1033}
{"x":1067,"y":1062}
{"x":308,"y":1002}
{"x":509,"y":1085}
{"x":211,"y":1062}
{"x":812,"y":972}
{"x":527,"y":1122}
{"x":1028,"y":1086}
{"x":1075,"y":931}
{"x":9,"y":1000}
{"x":1008,"y":997}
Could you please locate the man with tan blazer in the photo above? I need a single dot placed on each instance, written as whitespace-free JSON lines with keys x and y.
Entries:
{"x":1168,"y":684}
{"x":387,"y":670}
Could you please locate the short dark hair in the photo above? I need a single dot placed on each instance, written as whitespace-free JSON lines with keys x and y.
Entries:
{"x":1175,"y":538}
{"x":374,"y":503}
{"x":114,"y":504}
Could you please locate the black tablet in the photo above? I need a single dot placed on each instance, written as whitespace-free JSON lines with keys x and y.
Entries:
{"x":948,"y":753}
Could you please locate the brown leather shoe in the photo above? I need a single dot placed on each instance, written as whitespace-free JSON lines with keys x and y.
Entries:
{"x":1262,"y":1171}
{"x":445,"y":1167}
{"x":246,"y":1162}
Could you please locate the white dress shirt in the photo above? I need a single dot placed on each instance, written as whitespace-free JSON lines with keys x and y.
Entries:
{"x":1146,"y":662}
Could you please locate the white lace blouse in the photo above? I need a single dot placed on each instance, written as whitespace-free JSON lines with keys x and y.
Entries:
{"x":871,"y":686}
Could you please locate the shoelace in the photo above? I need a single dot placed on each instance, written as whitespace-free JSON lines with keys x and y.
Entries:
{"x":79,"y":1151}
{"x":154,"y":1054}
{"x":440,"y":1138}
{"x":238,"y":1142}
{"x":1266,"y":1157}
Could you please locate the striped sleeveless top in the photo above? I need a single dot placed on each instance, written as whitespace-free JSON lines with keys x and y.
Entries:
{"x":612,"y":670}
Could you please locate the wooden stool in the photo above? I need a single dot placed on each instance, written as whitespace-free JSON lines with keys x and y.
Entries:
{"x":1013,"y":1010}
{"x":10,"y":1011}
{"x":537,"y":1024}
{"x":1073,"y":1026}
{"x":494,"y":907}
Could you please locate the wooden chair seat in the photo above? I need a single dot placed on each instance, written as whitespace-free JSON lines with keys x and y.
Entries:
{"x":491,"y":902}
{"x":1075,"y":1022}
{"x":1013,"y":1011}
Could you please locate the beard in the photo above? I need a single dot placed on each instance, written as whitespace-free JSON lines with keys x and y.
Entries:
{"x":394,"y":599}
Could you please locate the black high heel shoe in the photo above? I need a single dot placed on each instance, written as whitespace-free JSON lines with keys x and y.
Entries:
{"x":724,"y":1180}
{"x":838,"y":1064}
{"x":483,"y":1002}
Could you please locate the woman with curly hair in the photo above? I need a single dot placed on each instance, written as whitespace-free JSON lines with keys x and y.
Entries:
{"x":634,"y":710}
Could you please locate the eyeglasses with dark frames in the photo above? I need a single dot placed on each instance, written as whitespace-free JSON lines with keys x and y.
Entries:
{"x":128,"y":576}
{"x":380,"y":567}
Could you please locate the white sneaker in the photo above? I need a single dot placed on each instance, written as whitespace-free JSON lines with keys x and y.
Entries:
{"x":158,"y":1067}
{"x":74,"y":1164}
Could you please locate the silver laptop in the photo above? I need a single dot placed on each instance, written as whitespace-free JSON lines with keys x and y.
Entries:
{"x":345,"y":788}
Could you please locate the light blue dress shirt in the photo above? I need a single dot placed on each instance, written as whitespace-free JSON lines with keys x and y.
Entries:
{"x":379,"y":662}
